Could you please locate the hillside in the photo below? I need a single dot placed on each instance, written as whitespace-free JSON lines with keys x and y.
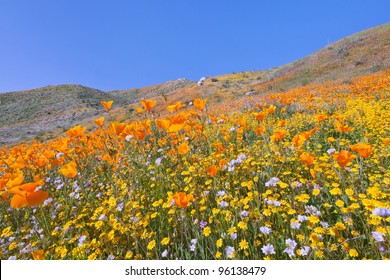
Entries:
{"x":46,"y":112}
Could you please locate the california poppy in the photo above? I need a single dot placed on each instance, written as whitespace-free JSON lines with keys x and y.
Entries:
{"x":344,"y":157}
{"x":307,"y":158}
{"x":271,"y":109}
{"x":182,"y":199}
{"x":261,"y":116}
{"x":364,"y":150}
{"x":200,"y":103}
{"x":385,"y":141}
{"x":183,"y":148}
{"x":175,"y":107}
{"x":76,"y":131}
{"x":278,"y":135}
{"x":148,"y":104}
{"x":164,"y":124}
{"x":107,"y":105}
{"x":260,"y":130}
{"x":343,"y":128}
{"x":117,"y":127}
{"x":26,"y":195}
{"x":281,"y":123}
{"x":99,"y":121}
{"x":38,"y":255}
{"x":298,"y":140}
{"x":212,"y":170}
{"x":69,"y":170}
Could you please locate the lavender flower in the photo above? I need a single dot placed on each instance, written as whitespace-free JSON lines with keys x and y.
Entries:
{"x":383,"y":212}
{"x":265,"y":230}
{"x":272,"y":182}
{"x":268,"y":249}
{"x":305,"y":250}
{"x":378,"y":236}
{"x":229,"y":251}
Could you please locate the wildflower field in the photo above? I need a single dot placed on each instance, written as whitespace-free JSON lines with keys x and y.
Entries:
{"x":301,"y":174}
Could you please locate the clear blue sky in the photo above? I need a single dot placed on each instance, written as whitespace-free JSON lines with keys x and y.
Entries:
{"x":121,"y":44}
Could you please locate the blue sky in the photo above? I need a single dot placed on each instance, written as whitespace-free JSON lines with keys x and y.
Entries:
{"x":122,"y":44}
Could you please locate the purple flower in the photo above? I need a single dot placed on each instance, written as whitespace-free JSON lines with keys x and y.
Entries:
{"x":202,"y":224}
{"x":268,"y":249}
{"x":383,"y":212}
{"x":265,"y":230}
{"x":378,"y":236}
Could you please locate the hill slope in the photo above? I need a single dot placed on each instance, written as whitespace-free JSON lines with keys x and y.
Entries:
{"x":45,"y":112}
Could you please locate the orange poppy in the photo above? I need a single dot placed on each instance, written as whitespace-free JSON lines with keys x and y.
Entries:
{"x":38,"y":255}
{"x":385,"y":141}
{"x":117,"y":127}
{"x":183,"y":148}
{"x":200,"y":103}
{"x":164,"y":124}
{"x":69,"y":170}
{"x":107,"y":105}
{"x":148,"y":104}
{"x":271,"y":109}
{"x":344,"y":157}
{"x":182,"y":199}
{"x":26,"y":195}
{"x":175,"y":107}
{"x":298,"y":140}
{"x":261,"y":116}
{"x":76,"y":131}
{"x":321,"y":117}
{"x":260,"y":130}
{"x":212,"y":170}
{"x":281,"y":123}
{"x":278,"y":135}
{"x":364,"y":150}
{"x":19,"y":163}
{"x":343,"y":128}
{"x":307,"y":158}
{"x":99,"y":121}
